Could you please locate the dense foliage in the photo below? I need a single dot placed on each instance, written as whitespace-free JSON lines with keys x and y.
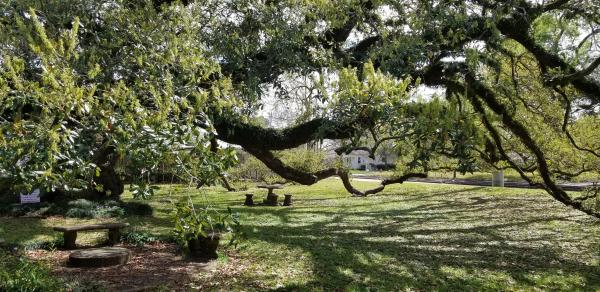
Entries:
{"x":20,"y":274}
{"x":192,"y":222}
{"x":252,"y":169}
{"x":92,"y":90}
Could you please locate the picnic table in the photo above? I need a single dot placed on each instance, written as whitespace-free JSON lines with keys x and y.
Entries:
{"x":271,"y":199}
{"x":70,"y":232}
{"x":270,"y":188}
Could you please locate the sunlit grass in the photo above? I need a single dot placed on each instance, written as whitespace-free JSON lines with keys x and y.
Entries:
{"x":409,"y":237}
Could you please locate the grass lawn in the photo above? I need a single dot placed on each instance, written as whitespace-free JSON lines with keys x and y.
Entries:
{"x":409,"y":237}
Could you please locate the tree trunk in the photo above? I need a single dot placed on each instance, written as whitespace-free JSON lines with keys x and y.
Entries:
{"x":498,"y":178}
{"x":226,"y":184}
{"x":112,"y":185}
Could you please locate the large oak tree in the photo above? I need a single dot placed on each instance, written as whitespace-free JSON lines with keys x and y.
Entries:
{"x":520,"y":80}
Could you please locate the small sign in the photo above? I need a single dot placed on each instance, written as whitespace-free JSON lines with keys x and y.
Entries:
{"x":34,"y":197}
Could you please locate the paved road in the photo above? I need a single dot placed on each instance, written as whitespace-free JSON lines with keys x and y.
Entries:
{"x":508,"y":184}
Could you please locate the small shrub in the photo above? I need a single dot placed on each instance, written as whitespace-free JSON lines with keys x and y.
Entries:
{"x":242,"y":185}
{"x":306,"y":160}
{"x":138,"y":238}
{"x":33,"y":210}
{"x":86,"y":286}
{"x":252,"y":169}
{"x":137,"y":208}
{"x":80,"y":208}
{"x":82,"y":204}
{"x":193,"y":222}
{"x":83,"y":208}
{"x":20,"y":274}
{"x":301,"y":159}
{"x":51,"y":244}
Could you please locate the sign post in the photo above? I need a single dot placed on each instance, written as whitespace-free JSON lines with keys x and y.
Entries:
{"x":32,"y":198}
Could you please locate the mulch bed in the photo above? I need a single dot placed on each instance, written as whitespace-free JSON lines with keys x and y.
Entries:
{"x":157,"y":265}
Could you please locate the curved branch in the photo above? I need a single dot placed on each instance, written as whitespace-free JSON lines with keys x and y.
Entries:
{"x":558,"y":4}
{"x":403,"y":178}
{"x":566,"y":123}
{"x":345,"y":177}
{"x":476,"y":90}
{"x":256,"y":137}
{"x":283,"y":170}
{"x":561,"y":80}
{"x":349,"y":148}
{"x":397,"y":180}
{"x":287,"y":172}
{"x":517,"y":28}
{"x":565,"y":174}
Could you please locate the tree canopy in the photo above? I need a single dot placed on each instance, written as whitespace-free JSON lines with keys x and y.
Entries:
{"x":85,"y":84}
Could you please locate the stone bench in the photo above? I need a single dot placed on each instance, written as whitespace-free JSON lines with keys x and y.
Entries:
{"x":249,"y":201}
{"x":70,"y":232}
{"x":288,"y":200}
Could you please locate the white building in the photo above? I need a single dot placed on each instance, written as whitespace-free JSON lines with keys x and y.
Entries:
{"x":359,"y":159}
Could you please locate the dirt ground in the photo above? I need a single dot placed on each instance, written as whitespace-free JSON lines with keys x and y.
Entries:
{"x":157,"y":266}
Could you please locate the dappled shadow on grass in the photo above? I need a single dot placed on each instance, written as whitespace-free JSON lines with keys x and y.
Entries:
{"x":440,"y":241}
{"x":153,"y":267}
{"x":33,"y":233}
{"x":16,"y":231}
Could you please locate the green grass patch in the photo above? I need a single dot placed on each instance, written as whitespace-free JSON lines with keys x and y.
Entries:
{"x":20,"y":274}
{"x":409,"y":237}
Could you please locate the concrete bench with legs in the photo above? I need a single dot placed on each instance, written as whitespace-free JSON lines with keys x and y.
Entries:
{"x":70,"y":232}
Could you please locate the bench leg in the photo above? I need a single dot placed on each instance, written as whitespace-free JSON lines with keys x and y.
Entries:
{"x":249,"y":201}
{"x":288,"y":200}
{"x":69,"y":239}
{"x":114,"y":236}
{"x":271,"y":200}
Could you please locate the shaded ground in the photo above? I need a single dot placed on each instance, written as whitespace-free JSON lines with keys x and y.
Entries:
{"x":410,"y":237}
{"x":155,"y":266}
{"x":463,"y":239}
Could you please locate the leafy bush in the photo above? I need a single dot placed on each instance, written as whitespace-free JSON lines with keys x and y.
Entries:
{"x":242,"y":184}
{"x":302,"y":159}
{"x":251,"y":169}
{"x":83,"y":208}
{"x":20,"y":274}
{"x":51,"y":244}
{"x":139,"y":238}
{"x":143,"y":191}
{"x":193,"y":222}
{"x":80,"y":208}
{"x":306,"y":160}
{"x":32,"y":210}
{"x":137,"y":208}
